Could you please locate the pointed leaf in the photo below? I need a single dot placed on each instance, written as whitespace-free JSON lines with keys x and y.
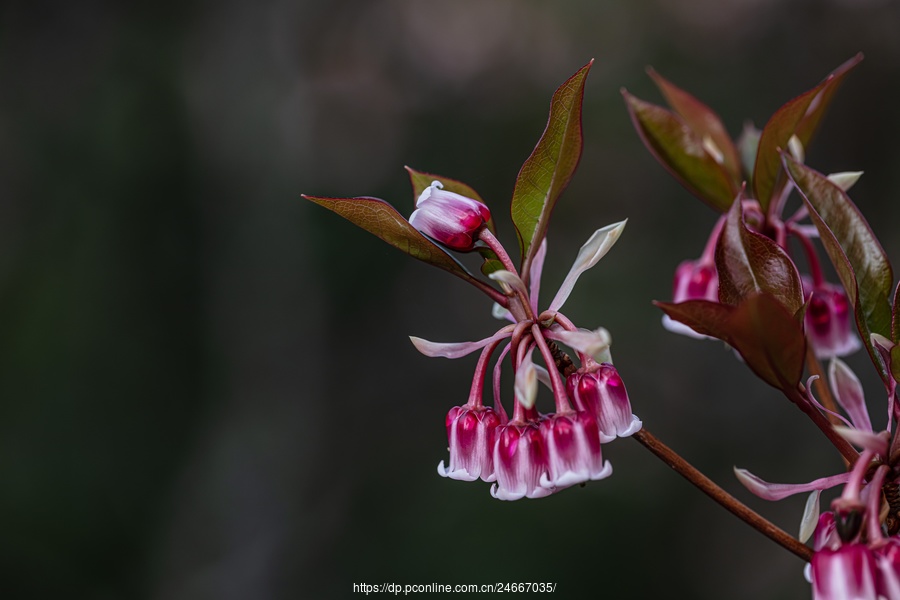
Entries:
{"x":855,"y":252}
{"x":810,"y":122}
{"x":381,"y":219}
{"x":681,"y":152}
{"x":775,"y":135}
{"x":704,"y":122}
{"x":749,"y":263}
{"x":766,"y":335}
{"x":546,"y":173}
{"x":421,"y":180}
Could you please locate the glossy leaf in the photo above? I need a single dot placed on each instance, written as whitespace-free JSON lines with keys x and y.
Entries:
{"x":704,"y":122}
{"x":895,"y":316}
{"x":750,"y":263}
{"x":767,"y":336}
{"x":810,"y":122}
{"x":855,"y":252}
{"x":672,"y":142}
{"x":546,"y":173}
{"x":775,"y":136}
{"x":421,"y":180}
{"x":895,"y":363}
{"x":381,"y":219}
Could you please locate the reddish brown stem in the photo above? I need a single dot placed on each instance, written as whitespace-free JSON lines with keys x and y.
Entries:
{"x":726,"y":500}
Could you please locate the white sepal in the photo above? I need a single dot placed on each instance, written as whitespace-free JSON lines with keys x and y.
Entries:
{"x":845,"y":179}
{"x":509,"y":281}
{"x":526,"y":384}
{"x":590,"y":253}
{"x":810,"y":516}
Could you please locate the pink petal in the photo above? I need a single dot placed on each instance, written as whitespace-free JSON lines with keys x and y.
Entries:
{"x":457,"y":349}
{"x":779,"y":491}
{"x":848,"y":392}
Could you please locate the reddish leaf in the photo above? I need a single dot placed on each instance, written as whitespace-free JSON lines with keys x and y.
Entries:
{"x":703,"y":316}
{"x":817,"y":108}
{"x":767,"y":336}
{"x":421,"y":180}
{"x":895,"y":316}
{"x":681,"y":151}
{"x":705,"y":123}
{"x":380,"y":218}
{"x":750,"y":263}
{"x":775,"y":135}
{"x":546,"y":173}
{"x":855,"y":252}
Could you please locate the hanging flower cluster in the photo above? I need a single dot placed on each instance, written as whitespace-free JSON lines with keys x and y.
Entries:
{"x":531,"y":454}
{"x":747,"y":290}
{"x":857,"y":543}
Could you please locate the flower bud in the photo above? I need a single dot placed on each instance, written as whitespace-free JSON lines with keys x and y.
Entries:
{"x":451,"y":219}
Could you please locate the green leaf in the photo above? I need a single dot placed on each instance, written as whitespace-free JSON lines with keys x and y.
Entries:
{"x":704,"y":122}
{"x":895,"y":316}
{"x":813,"y":117}
{"x":767,"y":336}
{"x":775,"y":135}
{"x":681,"y":152}
{"x":750,"y":263}
{"x":546,"y":173}
{"x":855,"y":252}
{"x":421,"y":180}
{"x":380,"y":218}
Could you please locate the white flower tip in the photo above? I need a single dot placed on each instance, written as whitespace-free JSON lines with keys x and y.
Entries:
{"x":509,"y":281}
{"x":810,"y":516}
{"x":498,"y":312}
{"x":426,"y":193}
{"x":710,"y":146}
{"x":881,"y":341}
{"x":795,"y":147}
{"x":845,"y":179}
{"x":526,"y":385}
{"x":753,"y":483}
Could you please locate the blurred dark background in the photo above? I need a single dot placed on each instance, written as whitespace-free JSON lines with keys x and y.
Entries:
{"x":206,"y":387}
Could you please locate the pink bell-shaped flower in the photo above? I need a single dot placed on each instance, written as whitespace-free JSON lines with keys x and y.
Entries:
{"x":847,"y":573}
{"x":470,"y":433}
{"x":449,"y":218}
{"x":520,"y":462}
{"x":601,"y":392}
{"x":573,"y":450}
{"x":828,"y":323}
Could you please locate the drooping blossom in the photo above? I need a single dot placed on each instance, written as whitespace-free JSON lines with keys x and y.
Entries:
{"x":828,"y":320}
{"x":531,"y":454}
